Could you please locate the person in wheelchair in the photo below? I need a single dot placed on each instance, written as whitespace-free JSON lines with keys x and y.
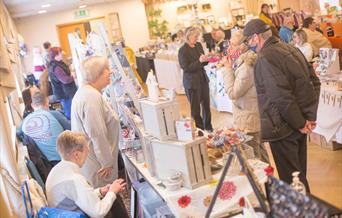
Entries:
{"x":68,"y":189}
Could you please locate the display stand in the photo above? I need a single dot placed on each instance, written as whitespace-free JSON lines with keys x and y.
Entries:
{"x":250,"y":176}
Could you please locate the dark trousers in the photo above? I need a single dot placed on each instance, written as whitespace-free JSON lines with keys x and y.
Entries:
{"x":118,"y":209}
{"x":199,"y":98}
{"x":290,"y":154}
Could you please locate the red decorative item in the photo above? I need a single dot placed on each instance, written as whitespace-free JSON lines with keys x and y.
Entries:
{"x":184,"y":201}
{"x":227,"y":191}
{"x":125,"y":133}
{"x":269,"y":170}
{"x":242,"y":202}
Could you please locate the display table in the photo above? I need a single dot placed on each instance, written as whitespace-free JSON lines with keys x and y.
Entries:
{"x":197,"y":197}
{"x":218,"y":96}
{"x":169,"y":74}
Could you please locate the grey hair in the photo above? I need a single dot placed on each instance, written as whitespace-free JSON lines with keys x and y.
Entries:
{"x":266,"y":35}
{"x":38,"y":99}
{"x":93,"y":67}
{"x":69,"y":141}
{"x":189,"y":31}
{"x":238,"y":35}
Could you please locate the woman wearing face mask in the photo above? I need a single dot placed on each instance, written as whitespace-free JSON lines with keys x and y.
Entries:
{"x":93,"y":116}
{"x":63,"y":84}
{"x":192,"y":60}
{"x":239,"y":85}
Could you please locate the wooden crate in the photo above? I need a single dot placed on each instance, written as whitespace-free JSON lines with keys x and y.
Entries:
{"x":189,"y":158}
{"x":159,"y":118}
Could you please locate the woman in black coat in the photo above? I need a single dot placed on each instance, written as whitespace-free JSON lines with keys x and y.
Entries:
{"x":192,"y":60}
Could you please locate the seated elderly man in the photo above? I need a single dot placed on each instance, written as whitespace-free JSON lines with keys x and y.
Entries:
{"x":68,"y":189}
{"x":44,"y":126}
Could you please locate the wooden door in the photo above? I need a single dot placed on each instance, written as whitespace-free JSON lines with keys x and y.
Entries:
{"x":63,"y":32}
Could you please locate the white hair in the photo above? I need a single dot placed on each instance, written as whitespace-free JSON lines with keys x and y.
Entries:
{"x":93,"y":67}
{"x":190,"y":31}
{"x":237,"y":37}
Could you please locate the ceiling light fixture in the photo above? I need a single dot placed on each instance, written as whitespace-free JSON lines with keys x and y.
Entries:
{"x":46,"y":5}
{"x":42,"y":11}
{"x":83,"y":6}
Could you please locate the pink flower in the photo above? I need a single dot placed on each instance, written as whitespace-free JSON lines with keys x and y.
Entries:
{"x":184,"y":201}
{"x":227,"y":191}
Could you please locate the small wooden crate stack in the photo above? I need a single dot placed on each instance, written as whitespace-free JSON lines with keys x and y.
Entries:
{"x":189,"y":158}
{"x":159,"y":118}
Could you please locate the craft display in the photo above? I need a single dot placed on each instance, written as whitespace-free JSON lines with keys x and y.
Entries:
{"x":192,"y":161}
{"x":329,"y":62}
{"x":159,"y":118}
{"x":218,"y":96}
{"x":185,"y":129}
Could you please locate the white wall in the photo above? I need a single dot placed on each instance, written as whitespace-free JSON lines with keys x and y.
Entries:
{"x":40,"y":28}
{"x":219,"y":8}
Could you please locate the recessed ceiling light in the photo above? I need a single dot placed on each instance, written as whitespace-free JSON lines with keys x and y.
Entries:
{"x":42,"y":11}
{"x":83,"y":6}
{"x":46,"y":5}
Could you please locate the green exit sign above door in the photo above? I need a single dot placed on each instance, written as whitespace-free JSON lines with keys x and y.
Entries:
{"x":81,"y":13}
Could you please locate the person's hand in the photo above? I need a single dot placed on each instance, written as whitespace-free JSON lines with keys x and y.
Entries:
{"x":117,"y":186}
{"x":312,"y":125}
{"x":228,"y":64}
{"x":105,"y":172}
{"x":105,"y":189}
{"x":309,"y":126}
{"x":203,"y":58}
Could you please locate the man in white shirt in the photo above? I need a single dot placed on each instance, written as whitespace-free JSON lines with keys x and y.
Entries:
{"x":315,"y":38}
{"x":67,"y":188}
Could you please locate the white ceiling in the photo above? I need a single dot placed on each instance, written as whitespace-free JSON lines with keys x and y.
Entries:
{"x":23,"y":8}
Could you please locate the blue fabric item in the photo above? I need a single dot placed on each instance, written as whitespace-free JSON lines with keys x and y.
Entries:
{"x":285,"y":34}
{"x":66,"y":103}
{"x":62,"y":120}
{"x":44,"y":129}
{"x":47,"y":212}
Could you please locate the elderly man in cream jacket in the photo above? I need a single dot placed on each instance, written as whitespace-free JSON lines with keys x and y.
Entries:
{"x":93,"y":116}
{"x":239,"y":85}
{"x":315,"y":38}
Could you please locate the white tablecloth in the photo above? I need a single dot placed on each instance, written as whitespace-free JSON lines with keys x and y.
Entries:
{"x":329,"y":115}
{"x":196,"y":207}
{"x":218,"y":96}
{"x":169,"y":75}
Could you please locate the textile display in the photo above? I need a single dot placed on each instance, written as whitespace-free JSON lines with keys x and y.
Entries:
{"x":330,"y":102}
{"x":218,"y":96}
{"x":286,"y":202}
{"x":194,"y":203}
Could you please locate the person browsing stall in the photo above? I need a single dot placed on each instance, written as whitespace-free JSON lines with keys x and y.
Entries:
{"x":68,"y":189}
{"x":239,"y":85}
{"x":314,"y":37}
{"x":300,"y":40}
{"x":192,"y":60}
{"x":287,"y":99}
{"x":63,"y":84}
